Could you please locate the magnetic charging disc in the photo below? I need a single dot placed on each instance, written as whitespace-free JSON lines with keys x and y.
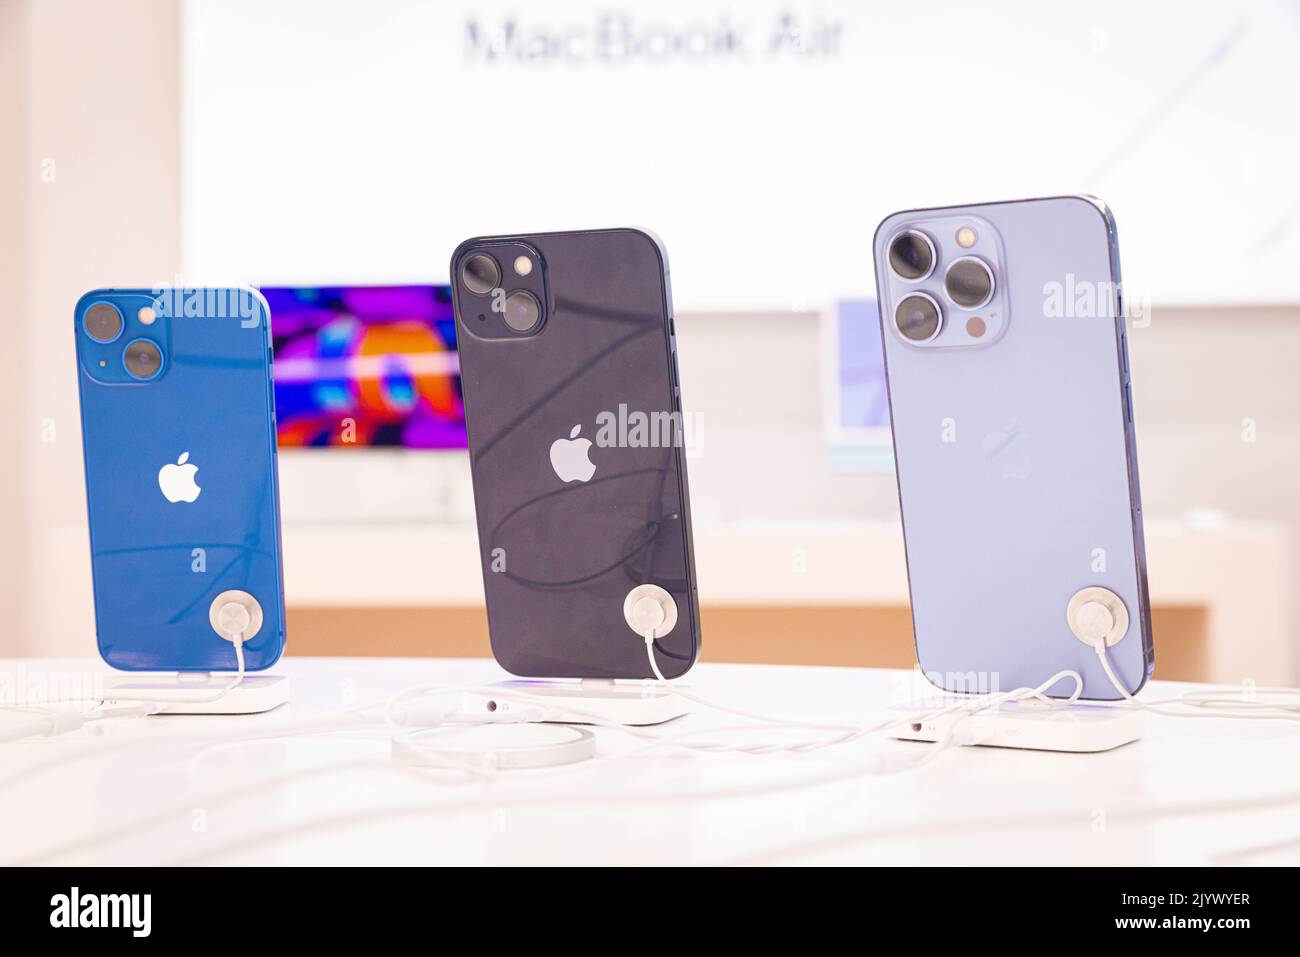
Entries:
{"x":496,"y":746}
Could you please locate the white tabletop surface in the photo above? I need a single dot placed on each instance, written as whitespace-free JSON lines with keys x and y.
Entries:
{"x":177,"y":789}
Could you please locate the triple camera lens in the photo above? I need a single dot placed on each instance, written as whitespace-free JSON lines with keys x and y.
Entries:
{"x":918,"y":317}
{"x":912,"y":255}
{"x":969,"y":282}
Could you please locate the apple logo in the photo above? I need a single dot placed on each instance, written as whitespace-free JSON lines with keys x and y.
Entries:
{"x":569,"y":457}
{"x":1008,"y":450}
{"x":177,"y":481}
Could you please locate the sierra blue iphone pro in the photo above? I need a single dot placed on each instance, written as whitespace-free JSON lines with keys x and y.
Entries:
{"x":178,"y":429}
{"x":1007,"y":369}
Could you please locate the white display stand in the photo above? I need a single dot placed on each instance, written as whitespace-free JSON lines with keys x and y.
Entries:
{"x":1030,"y":725}
{"x":191,"y":693}
{"x":631,"y":703}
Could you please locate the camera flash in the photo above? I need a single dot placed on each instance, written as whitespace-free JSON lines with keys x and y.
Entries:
{"x":146,"y":315}
{"x":965,"y":237}
{"x":523,"y":265}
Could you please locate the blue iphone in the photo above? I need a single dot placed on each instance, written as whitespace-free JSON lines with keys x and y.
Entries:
{"x":178,"y":430}
{"x":1007,"y":368}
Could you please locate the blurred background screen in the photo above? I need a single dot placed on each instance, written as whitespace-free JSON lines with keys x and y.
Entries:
{"x":366,"y":365}
{"x":319,"y":140}
{"x":856,"y":394}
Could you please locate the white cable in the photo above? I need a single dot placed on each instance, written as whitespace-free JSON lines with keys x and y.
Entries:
{"x":541,"y":709}
{"x":410,"y":723}
{"x":1203,"y":702}
{"x":399,"y":722}
{"x":972,"y":706}
{"x":54,"y":721}
{"x":407,"y":732}
{"x":673,"y":796}
{"x":849,"y":732}
{"x":877,"y":764}
{"x":216,"y":696}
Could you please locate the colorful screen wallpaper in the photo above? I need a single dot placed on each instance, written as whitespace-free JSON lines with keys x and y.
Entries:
{"x":366,"y":366}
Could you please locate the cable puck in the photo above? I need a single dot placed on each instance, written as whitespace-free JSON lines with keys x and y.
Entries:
{"x":235,"y":614}
{"x":1097,"y":614}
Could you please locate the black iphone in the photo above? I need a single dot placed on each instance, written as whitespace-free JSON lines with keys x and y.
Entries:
{"x":569,"y":369}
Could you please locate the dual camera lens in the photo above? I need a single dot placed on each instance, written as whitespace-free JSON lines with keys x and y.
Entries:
{"x":968,"y":282}
{"x":104,"y":324}
{"x":520,"y":309}
{"x":143,"y":359}
{"x":481,"y":274}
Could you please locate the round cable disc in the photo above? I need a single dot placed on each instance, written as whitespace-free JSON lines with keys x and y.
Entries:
{"x":504,"y":746}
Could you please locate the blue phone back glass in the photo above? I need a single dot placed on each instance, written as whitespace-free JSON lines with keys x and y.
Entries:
{"x":181,"y":482}
{"x":1017,"y":463}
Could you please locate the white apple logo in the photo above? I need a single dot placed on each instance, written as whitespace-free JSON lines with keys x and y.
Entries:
{"x":1008,"y":450}
{"x":177,"y":481}
{"x":569,"y":457}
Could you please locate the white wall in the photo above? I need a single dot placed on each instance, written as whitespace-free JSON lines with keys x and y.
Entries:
{"x":93,"y":175}
{"x":17,"y":423}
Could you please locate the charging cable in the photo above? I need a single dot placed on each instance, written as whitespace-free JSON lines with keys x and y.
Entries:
{"x":44,"y":724}
{"x":1214,"y":703}
{"x":647,"y":615}
{"x":416,"y":738}
{"x":412,"y":723}
{"x":415,"y":734}
{"x":50,"y":721}
{"x":237,"y":640}
{"x":404,"y":718}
